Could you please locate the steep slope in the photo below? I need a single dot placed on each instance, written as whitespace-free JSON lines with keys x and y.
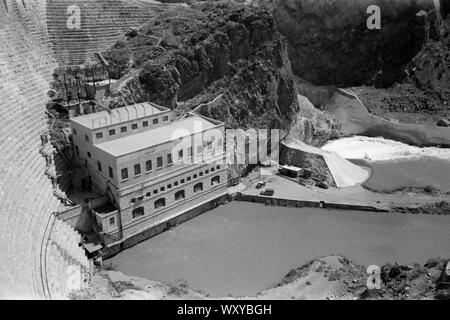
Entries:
{"x":330,"y":44}
{"x":205,"y":51}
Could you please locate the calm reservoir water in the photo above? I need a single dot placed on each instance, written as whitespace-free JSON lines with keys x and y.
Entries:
{"x":417,"y":172}
{"x":242,"y":248}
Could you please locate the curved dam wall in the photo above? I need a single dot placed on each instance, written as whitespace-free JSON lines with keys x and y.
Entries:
{"x":40,"y":256}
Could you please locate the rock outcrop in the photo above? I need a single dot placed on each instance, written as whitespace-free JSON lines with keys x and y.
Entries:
{"x":330,"y":43}
{"x":210,"y":50}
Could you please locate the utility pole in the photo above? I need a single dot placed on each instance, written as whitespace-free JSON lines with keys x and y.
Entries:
{"x":65,"y":86}
{"x":93,"y":81}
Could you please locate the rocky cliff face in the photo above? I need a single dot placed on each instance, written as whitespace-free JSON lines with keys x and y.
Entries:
{"x":330,"y":44}
{"x":211,"y":50}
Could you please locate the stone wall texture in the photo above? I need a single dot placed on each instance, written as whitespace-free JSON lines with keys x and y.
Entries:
{"x":39,"y":254}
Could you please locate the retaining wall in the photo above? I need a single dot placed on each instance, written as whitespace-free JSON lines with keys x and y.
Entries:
{"x":271,"y":201}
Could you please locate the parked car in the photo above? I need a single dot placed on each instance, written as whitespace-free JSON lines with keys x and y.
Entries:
{"x":260,"y":185}
{"x":322,"y":185}
{"x":267,"y":192}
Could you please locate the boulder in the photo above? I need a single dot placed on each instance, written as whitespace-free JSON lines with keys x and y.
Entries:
{"x":443,"y":123}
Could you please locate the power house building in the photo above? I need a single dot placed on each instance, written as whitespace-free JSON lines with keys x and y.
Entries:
{"x":150,"y":166}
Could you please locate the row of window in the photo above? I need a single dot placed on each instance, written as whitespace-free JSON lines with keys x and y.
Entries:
{"x":160,"y":162}
{"x":179,"y":195}
{"x":134,"y":126}
{"x":174,"y":184}
{"x":137,"y":167}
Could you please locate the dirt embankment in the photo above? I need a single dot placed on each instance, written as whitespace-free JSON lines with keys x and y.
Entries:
{"x":355,"y":119}
{"x":341,"y":113}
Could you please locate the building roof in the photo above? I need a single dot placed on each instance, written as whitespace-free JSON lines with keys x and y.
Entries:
{"x":140,"y":141}
{"x":291,"y":168}
{"x":102,"y":119}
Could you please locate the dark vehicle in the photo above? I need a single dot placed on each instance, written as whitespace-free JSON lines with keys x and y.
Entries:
{"x":444,"y":279}
{"x":267,"y":192}
{"x":322,"y":185}
{"x":260,"y":185}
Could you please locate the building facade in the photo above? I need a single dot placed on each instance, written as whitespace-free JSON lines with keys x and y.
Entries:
{"x":150,"y":166}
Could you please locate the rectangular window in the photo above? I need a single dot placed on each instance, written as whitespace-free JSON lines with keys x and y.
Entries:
{"x":169,"y":159}
{"x":218,"y":167}
{"x":191,"y":152}
{"x":111,"y":175}
{"x":86,"y":138}
{"x":137,"y":169}
{"x":123,"y":129}
{"x":148,"y":194}
{"x":213,"y":169}
{"x":133,"y":200}
{"x":112,"y":132}
{"x":99,"y":166}
{"x":138,"y":212}
{"x":145,"y":124}
{"x":134,"y":126}
{"x":141,"y":198}
{"x":175,"y":183}
{"x":165,"y":118}
{"x":206,"y":171}
{"x":112,"y":221}
{"x":195,"y":176}
{"x":188,"y":179}
{"x":88,"y":154}
{"x":201,"y":174}
{"x":182,"y":181}
{"x":74,"y":131}
{"x":99,"y":135}
{"x":169,"y":186}
{"x":159,"y":162}
{"x":163,"y":189}
{"x":155,"y":191}
{"x":124,"y":173}
{"x":155,"y":121}
{"x":220,"y":143}
{"x":148,"y":166}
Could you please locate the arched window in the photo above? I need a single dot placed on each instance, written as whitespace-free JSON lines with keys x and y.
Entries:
{"x":138,"y":212}
{"x":180,"y":195}
{"x":198,"y":187}
{"x":160,"y":203}
{"x":215,"y":180}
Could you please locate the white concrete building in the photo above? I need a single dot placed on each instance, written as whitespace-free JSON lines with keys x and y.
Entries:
{"x":149,"y":165}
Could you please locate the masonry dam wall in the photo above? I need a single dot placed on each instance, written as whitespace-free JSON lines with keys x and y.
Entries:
{"x":40,"y":256}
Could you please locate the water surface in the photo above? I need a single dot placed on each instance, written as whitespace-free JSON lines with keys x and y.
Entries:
{"x":242,"y":248}
{"x":414,"y":172}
